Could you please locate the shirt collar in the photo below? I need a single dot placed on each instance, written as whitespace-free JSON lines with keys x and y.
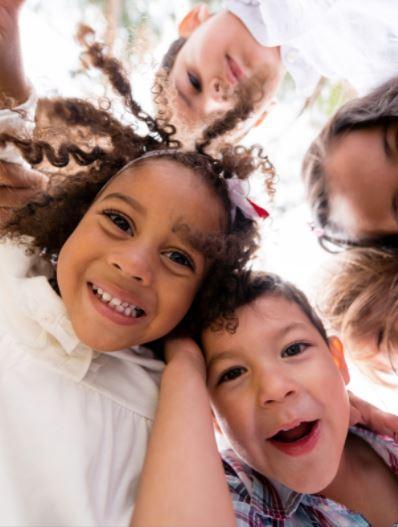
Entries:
{"x":36,"y":316}
{"x":268,"y":498}
{"x":272,"y":499}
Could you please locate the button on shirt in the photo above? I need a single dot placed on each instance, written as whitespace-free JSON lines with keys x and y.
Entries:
{"x":258,"y":502}
{"x":354,"y":40}
{"x":74,"y":423}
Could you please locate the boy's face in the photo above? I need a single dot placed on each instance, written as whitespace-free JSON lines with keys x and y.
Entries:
{"x":218,"y":55}
{"x":278,"y":394}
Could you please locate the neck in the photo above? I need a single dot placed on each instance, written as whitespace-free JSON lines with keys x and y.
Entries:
{"x":350,"y":471}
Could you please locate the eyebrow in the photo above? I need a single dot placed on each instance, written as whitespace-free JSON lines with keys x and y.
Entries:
{"x":221,"y":356}
{"x":127,"y":199}
{"x":282,"y":331}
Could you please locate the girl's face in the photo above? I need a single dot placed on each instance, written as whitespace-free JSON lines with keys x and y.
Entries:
{"x":220,"y":54}
{"x":362,"y":174}
{"x":128,"y":273}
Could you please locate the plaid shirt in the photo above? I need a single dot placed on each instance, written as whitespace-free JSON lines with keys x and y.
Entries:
{"x":260,"y":503}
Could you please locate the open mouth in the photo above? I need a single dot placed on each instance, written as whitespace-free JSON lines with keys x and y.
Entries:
{"x":116,"y":304}
{"x":298,"y":439}
{"x":294,"y":434}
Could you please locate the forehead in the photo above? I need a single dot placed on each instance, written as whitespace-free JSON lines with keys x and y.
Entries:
{"x":165,"y":186}
{"x":265,"y":319}
{"x":361,"y":180}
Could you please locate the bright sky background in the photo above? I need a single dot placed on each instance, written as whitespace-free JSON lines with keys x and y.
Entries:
{"x":288,"y":245}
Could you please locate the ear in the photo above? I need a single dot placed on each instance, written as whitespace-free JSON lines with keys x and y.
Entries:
{"x":337,"y":351}
{"x":196,"y":16}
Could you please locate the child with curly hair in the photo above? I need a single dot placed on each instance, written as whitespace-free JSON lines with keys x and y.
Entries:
{"x":218,"y":52}
{"x":277,"y":387}
{"x":112,"y":256}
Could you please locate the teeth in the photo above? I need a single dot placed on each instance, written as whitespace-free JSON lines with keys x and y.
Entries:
{"x":115,"y":303}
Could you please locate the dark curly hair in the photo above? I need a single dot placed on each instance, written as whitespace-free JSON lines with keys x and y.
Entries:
{"x":377,"y":109}
{"x":245,"y":287}
{"x":51,"y":218}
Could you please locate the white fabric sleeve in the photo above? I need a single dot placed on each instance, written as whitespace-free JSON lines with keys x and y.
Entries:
{"x":352,"y":40}
{"x":276,"y":22}
{"x":19,"y":121}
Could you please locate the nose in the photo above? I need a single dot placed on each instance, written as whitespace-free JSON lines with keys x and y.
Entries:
{"x":134,"y":263}
{"x":218,"y":89}
{"x":275,"y":387}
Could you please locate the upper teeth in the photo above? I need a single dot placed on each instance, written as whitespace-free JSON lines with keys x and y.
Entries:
{"x":117,"y":304}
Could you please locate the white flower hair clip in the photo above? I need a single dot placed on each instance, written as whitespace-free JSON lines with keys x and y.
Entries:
{"x":239,"y":200}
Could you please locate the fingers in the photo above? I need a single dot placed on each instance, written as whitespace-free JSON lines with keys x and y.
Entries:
{"x":366,"y":414}
{"x":17,"y":187}
{"x":13,"y":175}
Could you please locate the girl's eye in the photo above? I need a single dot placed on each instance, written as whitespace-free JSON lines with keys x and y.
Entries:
{"x":294,"y":349}
{"x":119,"y":220}
{"x":231,"y":374}
{"x":180,"y":258}
{"x":195,"y":82}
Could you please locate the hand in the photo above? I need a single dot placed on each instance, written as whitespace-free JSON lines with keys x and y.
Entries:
{"x":17,"y":186}
{"x":366,"y":414}
{"x":185,"y":349}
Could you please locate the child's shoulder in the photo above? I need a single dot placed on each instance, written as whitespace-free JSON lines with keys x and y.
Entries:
{"x":256,"y":499}
{"x":386,"y":447}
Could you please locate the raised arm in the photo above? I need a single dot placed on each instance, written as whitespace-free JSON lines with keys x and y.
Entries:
{"x":13,"y":82}
{"x":183,"y":483}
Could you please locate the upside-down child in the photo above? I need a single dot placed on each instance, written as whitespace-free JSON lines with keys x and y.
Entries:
{"x":277,"y":386}
{"x":354,"y":41}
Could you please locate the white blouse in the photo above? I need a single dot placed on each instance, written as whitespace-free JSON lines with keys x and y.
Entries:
{"x":74,"y":424}
{"x":355,"y":40}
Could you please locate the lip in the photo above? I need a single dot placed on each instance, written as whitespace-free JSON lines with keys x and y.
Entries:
{"x":234,"y":72}
{"x":302,"y":446}
{"x":111,"y":314}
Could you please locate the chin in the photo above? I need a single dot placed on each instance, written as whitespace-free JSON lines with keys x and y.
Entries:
{"x":313,"y":483}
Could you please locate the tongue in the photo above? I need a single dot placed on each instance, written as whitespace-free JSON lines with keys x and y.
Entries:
{"x":294,"y":434}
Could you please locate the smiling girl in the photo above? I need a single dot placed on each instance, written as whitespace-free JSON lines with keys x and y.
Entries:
{"x":116,"y":255}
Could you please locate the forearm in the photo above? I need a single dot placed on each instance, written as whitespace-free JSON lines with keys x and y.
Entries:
{"x":13,"y":82}
{"x":183,"y":483}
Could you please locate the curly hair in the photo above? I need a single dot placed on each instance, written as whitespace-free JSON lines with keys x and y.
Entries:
{"x":50,"y":220}
{"x":377,"y":109}
{"x":359,"y":301}
{"x":246,"y":286}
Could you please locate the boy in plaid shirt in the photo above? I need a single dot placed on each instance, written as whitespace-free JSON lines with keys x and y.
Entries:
{"x":277,"y":387}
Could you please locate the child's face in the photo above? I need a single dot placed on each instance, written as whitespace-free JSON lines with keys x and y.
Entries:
{"x":128,"y":273}
{"x":218,"y":55}
{"x":362,"y":174}
{"x":277,"y":394}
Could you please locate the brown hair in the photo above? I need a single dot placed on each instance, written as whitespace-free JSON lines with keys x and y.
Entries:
{"x":377,"y":109}
{"x":51,"y":219}
{"x":359,"y":300}
{"x":246,"y":287}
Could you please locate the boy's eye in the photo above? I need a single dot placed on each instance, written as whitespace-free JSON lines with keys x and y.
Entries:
{"x":180,"y":258}
{"x":195,"y":82}
{"x":119,"y":220}
{"x":294,"y":349}
{"x":231,"y":374}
